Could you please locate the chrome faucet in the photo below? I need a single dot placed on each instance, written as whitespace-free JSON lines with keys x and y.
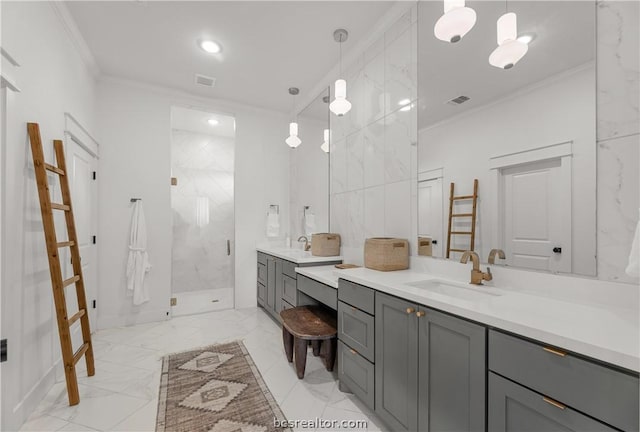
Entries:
{"x":493,"y":253}
{"x":477,"y":275}
{"x":307,"y":246}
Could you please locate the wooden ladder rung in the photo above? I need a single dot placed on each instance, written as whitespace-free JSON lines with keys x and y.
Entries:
{"x":70,"y":281}
{"x":462,"y":232}
{"x":65,"y":244}
{"x":462,"y":215}
{"x":457,"y":250}
{"x":76,"y":316}
{"x":54,"y":169}
{"x":78,"y":355}
{"x":57,"y":206}
{"x":463,"y":197}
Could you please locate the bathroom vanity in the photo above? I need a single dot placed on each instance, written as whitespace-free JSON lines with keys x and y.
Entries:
{"x":277,"y":284}
{"x":425,"y":359}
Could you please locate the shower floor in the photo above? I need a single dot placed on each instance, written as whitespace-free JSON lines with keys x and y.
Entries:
{"x":196,"y":302}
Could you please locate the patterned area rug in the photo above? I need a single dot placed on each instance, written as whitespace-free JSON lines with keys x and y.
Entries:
{"x":215,"y":389}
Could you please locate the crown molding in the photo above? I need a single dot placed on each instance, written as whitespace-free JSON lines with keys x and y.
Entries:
{"x":78,"y":41}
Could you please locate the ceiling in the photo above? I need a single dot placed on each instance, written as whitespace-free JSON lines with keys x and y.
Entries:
{"x":198,"y":121}
{"x":565,"y":39}
{"x":267,"y":46}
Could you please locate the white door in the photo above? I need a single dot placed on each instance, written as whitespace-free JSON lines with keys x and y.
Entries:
{"x":430,"y":213}
{"x":537,"y":216}
{"x":84,"y":197}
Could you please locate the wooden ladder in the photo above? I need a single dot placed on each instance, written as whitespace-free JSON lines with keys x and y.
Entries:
{"x":69,"y":357}
{"x":472,"y":215}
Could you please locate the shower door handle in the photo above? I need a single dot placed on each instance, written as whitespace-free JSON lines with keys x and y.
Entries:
{"x":228,"y":247}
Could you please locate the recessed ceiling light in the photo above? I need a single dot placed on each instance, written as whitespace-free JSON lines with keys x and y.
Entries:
{"x":213,"y":122}
{"x":210,"y":46}
{"x":527,"y":38}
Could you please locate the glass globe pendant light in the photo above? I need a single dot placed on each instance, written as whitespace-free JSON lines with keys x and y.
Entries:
{"x":293,"y":141}
{"x":340,"y":105}
{"x":510,"y":50}
{"x":456,"y":22}
{"x":325,"y":144}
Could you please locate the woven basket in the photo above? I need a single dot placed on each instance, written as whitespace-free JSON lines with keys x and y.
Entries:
{"x":325,"y":244}
{"x":386,"y":254}
{"x":425,"y":246}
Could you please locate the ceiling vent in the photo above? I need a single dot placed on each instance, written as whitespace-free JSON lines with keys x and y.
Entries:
{"x":459,"y":100}
{"x":205,"y":81}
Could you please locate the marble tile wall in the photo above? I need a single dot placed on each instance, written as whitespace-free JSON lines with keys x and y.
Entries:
{"x":374,"y":144}
{"x":618,"y":114}
{"x":372,"y":190}
{"x":203,"y":215}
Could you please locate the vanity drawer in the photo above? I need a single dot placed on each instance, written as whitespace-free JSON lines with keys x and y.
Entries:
{"x":357,"y":374}
{"x":357,"y":295}
{"x":262,"y":272}
{"x":262,"y":294}
{"x":599,"y":391}
{"x":356,"y":329}
{"x":262,"y":258}
{"x":319,"y":291}
{"x":289,"y":289}
{"x":289,"y":269}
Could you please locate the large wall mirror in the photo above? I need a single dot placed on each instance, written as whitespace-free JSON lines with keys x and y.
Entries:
{"x":309,"y":171}
{"x":524,"y":136}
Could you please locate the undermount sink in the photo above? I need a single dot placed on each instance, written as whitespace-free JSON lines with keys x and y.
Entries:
{"x":464,"y":292}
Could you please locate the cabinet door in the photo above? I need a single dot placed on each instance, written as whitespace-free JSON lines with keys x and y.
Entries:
{"x":271,"y":283}
{"x":396,"y":358}
{"x":452,"y":370}
{"x":513,"y":408}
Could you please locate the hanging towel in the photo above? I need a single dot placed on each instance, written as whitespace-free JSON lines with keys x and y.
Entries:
{"x":138,"y":264}
{"x":633,"y":268}
{"x":273,"y":224}
{"x":309,"y":223}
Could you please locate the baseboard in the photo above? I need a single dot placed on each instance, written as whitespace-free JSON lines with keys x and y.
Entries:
{"x":110,"y":321}
{"x":28,"y":404}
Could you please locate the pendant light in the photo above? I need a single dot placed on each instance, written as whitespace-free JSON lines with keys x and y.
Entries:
{"x":456,"y":22}
{"x":510,"y":50}
{"x":293,"y":141}
{"x":340,"y":105}
{"x":325,"y":144}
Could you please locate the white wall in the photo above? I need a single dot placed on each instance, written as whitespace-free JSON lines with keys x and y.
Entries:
{"x":555,"y":111}
{"x":53,"y":80}
{"x":135,"y":130}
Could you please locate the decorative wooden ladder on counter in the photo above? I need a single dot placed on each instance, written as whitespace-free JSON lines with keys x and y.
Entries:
{"x":472,"y":215}
{"x":69,"y":357}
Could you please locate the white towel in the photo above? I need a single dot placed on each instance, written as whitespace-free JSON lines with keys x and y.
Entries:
{"x":309,"y":223}
{"x":633,"y":268}
{"x":273,"y":224}
{"x":138,"y":264}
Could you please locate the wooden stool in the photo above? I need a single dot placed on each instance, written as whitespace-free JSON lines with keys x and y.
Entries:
{"x":309,"y":323}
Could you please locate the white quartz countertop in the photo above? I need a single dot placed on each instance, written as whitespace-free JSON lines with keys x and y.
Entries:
{"x":606,"y":333}
{"x":297,"y":256}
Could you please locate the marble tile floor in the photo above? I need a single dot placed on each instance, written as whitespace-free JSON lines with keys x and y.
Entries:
{"x":123,"y":395}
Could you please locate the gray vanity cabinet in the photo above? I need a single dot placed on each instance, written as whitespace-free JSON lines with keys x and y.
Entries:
{"x":271,"y":283}
{"x":396,"y":347}
{"x":451,"y":373}
{"x":514,"y":408}
{"x":430,"y":368}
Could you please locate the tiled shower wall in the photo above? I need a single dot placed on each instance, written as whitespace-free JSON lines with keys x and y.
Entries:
{"x":374,"y":144}
{"x":372,"y":184}
{"x":203,"y":216}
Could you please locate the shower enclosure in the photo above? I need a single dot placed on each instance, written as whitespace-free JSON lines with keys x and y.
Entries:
{"x":202,"y":200}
